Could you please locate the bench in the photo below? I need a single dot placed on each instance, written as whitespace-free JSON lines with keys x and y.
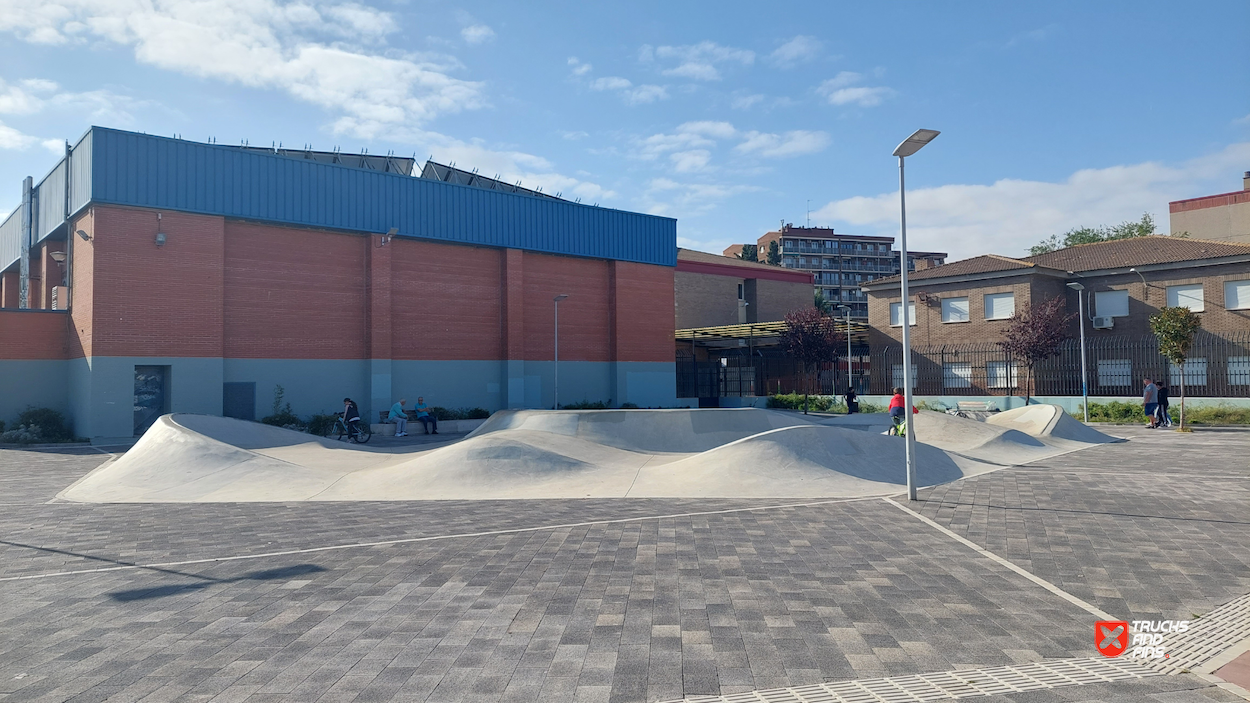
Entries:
{"x":977,"y":405}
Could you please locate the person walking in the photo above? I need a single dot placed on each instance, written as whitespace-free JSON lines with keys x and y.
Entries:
{"x":1162,"y":417}
{"x":1150,"y":401}
{"x":425,"y":417}
{"x":399,"y":416}
{"x":852,"y":405}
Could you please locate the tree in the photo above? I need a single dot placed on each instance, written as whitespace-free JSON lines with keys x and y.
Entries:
{"x":810,"y":338}
{"x":774,"y":253}
{"x":1034,"y":334}
{"x":1090,"y":235}
{"x":1175,"y":328}
{"x":750,"y":252}
{"x":822,"y":304}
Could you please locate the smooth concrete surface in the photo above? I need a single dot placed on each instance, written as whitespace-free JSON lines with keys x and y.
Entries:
{"x":736,"y":453}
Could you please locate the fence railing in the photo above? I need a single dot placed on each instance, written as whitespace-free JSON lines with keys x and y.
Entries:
{"x":745,"y":375}
{"x":1217,"y":367}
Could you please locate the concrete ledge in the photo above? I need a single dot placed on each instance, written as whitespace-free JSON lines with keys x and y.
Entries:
{"x":387,"y":429}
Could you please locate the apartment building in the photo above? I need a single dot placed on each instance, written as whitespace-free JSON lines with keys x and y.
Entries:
{"x":841,"y":263}
{"x":1223,"y":218}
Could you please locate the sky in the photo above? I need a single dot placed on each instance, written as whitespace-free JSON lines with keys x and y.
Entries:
{"x":728,"y":116}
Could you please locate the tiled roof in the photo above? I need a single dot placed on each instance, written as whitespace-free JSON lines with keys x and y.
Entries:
{"x":986,"y":263}
{"x":1138,"y":251}
{"x":706,"y":258}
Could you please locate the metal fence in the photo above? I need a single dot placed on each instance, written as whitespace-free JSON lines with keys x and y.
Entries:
{"x":735,"y":375}
{"x":1217,"y":367}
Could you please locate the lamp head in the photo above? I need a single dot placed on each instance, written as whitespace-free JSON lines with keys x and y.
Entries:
{"x":916,"y":142}
{"x":57,"y":256}
{"x":1133,"y":270}
{"x":85,"y":237}
{"x":560,"y":297}
{"x":1076,"y":286}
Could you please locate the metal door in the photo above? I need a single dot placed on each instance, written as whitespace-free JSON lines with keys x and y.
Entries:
{"x":150,"y":396}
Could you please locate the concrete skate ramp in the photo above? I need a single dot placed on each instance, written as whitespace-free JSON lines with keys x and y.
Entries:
{"x":652,"y":431}
{"x":562,"y":454}
{"x":1050,"y":421}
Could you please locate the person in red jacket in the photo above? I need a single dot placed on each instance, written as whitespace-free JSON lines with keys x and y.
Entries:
{"x":897,"y":403}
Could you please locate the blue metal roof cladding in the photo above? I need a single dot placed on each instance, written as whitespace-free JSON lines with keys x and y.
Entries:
{"x":125,"y":168}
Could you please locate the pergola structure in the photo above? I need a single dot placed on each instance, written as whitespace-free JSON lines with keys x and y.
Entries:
{"x":758,"y":334}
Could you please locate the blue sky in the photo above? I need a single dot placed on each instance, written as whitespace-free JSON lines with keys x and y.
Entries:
{"x":727,"y":116}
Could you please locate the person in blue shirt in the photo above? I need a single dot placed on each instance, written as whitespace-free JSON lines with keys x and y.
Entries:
{"x":425,"y":417}
{"x":399,"y":416}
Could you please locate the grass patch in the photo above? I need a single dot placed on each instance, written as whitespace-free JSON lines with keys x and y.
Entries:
{"x":1131,"y":414}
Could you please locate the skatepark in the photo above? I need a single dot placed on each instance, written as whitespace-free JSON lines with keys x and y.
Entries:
{"x":534,"y":454}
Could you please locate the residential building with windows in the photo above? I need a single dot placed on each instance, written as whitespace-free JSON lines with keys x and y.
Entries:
{"x":1223,"y":218}
{"x":960,"y":311}
{"x":841,"y":263}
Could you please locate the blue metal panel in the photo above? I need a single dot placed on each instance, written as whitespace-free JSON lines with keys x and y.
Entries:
{"x":156,"y":172}
{"x":50,"y":203}
{"x":80,"y":173}
{"x":11,"y":240}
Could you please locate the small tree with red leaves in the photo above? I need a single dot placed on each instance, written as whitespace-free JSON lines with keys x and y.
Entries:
{"x":810,"y":338}
{"x":1034,"y":334}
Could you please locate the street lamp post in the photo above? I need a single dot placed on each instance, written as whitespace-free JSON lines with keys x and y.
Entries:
{"x":1080,"y":305}
{"x":557,"y":300}
{"x":850,"y":376}
{"x":911,"y":145}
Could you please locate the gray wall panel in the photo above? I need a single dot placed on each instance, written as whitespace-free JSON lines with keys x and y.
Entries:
{"x":33,"y":383}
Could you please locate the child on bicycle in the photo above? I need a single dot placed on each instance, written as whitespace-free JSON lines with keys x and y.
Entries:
{"x":351,"y":417}
{"x":898,"y":415}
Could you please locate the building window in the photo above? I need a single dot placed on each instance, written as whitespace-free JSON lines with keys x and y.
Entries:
{"x":955,"y":309}
{"x":1195,"y":372}
{"x":740,"y":295}
{"x":957,"y":374}
{"x":896,"y":314}
{"x":1239,"y":370}
{"x":789,"y":243}
{"x":1000,"y":306}
{"x":1111,"y":303}
{"x":897,"y":376}
{"x":1115,"y":372}
{"x":1000,"y":374}
{"x":1187,"y":296}
{"x":1237,"y":295}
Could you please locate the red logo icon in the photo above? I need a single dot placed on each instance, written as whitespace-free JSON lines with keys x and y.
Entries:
{"x":1111,"y":637}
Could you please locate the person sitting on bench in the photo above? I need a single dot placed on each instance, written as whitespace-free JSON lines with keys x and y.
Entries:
{"x":425,"y":417}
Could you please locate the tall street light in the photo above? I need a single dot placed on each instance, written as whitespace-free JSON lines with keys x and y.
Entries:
{"x":846,"y":311}
{"x":1080,"y":305}
{"x":909,"y":146}
{"x":557,"y":300}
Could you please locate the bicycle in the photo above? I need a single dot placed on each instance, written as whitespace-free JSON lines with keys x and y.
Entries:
{"x":339,"y":430}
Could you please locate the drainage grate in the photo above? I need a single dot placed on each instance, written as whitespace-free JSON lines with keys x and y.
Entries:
{"x":947,"y":685}
{"x":1206,"y":637}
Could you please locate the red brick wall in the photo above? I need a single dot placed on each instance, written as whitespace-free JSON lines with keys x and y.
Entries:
{"x":584,"y":316}
{"x":293,"y":293}
{"x":82,"y":296}
{"x":34,"y":334}
{"x":445,"y":301}
{"x":154,"y":300}
{"x":10,"y":289}
{"x":644,"y":312}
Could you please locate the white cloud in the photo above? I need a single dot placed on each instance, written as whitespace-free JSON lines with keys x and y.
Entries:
{"x":327,"y":55}
{"x":792,"y":143}
{"x":800,"y":49}
{"x":13,"y":139}
{"x":690,"y":161}
{"x":697,"y":61}
{"x":664,"y":196}
{"x":610,"y":83}
{"x":511,"y":166}
{"x":716,"y":130}
{"x":574,"y":136}
{"x":579,"y":68}
{"x":838,"y":91}
{"x":477,"y":34}
{"x":644,"y":94}
{"x":746,"y":102}
{"x":1011,"y":215}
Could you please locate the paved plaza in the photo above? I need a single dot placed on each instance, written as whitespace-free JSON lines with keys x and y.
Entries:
{"x":619,"y":599}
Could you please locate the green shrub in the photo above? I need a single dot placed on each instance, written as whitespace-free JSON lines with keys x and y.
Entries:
{"x":50,"y":424}
{"x":866,"y":407}
{"x":282,"y":415}
{"x":629,"y":406}
{"x":476,"y":414}
{"x":24,"y":434}
{"x":1113,"y":411}
{"x":1211,"y":415}
{"x":586,"y":405}
{"x":815,"y":403}
{"x":1,"y":426}
{"x":320,"y":424}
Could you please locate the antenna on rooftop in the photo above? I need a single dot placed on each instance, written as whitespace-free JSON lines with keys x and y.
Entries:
{"x":809,"y":214}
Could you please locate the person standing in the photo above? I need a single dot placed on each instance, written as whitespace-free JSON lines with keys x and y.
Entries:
{"x":425,"y":417}
{"x":852,"y":405}
{"x":1162,"y":419}
{"x":351,"y":417}
{"x":1150,"y":401}
{"x":399,"y":416}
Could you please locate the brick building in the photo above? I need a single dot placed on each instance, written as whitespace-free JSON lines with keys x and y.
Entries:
{"x":1224,"y":217}
{"x":199,"y":277}
{"x":840,"y":263}
{"x":967,"y":303}
{"x":713,"y":290}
